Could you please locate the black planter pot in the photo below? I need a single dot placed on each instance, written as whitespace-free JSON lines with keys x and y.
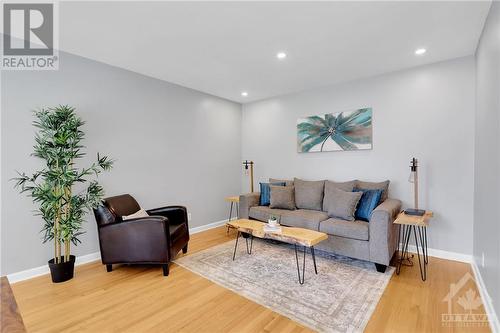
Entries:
{"x":63,"y":271}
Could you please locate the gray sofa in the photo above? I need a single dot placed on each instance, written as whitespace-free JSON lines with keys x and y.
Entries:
{"x":374,"y":241}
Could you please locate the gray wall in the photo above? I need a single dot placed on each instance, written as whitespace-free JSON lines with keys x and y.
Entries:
{"x":172,"y":145}
{"x":487,"y":156}
{"x":426,"y":112}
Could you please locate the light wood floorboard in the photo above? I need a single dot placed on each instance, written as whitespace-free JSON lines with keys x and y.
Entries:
{"x":140,"y":299}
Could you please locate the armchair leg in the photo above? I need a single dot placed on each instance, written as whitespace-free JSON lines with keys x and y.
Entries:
{"x":380,"y":268}
{"x":185,"y":249}
{"x":165,"y":269}
{"x":109,"y":267}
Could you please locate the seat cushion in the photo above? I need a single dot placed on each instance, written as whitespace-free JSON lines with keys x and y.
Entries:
{"x":304,"y":218}
{"x":309,"y":194}
{"x":176,"y":231}
{"x":262,"y":213}
{"x":349,"y":229}
{"x":301,"y":218}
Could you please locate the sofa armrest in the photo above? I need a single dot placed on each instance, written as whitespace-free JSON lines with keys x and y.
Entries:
{"x":143,"y":239}
{"x":246,"y":202}
{"x":383,"y":232}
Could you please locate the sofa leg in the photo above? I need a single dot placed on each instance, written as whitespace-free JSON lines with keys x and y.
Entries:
{"x":185,"y":249}
{"x":380,"y":268}
{"x":109,"y":267}
{"x":165,"y":269}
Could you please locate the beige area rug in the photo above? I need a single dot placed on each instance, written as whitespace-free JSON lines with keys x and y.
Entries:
{"x":341,"y":298}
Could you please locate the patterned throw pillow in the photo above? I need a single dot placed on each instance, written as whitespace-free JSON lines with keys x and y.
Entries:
{"x":265,"y":192}
{"x":368,"y":202}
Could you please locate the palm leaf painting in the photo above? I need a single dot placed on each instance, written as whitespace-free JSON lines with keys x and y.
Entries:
{"x":349,"y":130}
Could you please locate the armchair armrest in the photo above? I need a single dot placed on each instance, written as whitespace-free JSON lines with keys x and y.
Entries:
{"x":143,"y":239}
{"x":383,"y":233}
{"x":246,"y":202}
{"x":175,"y":214}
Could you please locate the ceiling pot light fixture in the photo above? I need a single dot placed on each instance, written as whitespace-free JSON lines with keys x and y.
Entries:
{"x":420,"y":51}
{"x":281,"y":55}
{"x":244,"y":94}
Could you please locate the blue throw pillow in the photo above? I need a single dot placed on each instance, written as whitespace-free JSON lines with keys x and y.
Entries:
{"x":265,"y":192}
{"x":368,"y":202}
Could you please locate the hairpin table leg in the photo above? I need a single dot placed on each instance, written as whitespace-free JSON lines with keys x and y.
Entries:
{"x":314,"y":259}
{"x":236,"y":245}
{"x":249,"y":251}
{"x":230,"y":214}
{"x":301,"y":279}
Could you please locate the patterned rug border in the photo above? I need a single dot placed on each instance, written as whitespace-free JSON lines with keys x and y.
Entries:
{"x":390,"y":271}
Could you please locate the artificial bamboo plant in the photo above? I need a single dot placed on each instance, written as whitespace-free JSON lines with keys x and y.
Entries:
{"x":62,"y":208}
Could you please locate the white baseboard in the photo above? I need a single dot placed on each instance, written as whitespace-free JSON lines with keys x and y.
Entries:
{"x":487,"y":301}
{"x":42,"y":270}
{"x":443,"y":254}
{"x":204,"y":227}
{"x":80,"y":260}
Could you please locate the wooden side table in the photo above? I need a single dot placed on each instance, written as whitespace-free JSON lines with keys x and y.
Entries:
{"x":234,"y":200}
{"x":417,"y":225}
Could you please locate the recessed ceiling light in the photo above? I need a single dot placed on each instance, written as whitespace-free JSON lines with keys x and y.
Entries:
{"x":420,"y":51}
{"x":244,"y":94}
{"x":281,"y":55}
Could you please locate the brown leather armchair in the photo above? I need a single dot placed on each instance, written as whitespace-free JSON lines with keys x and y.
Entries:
{"x":147,"y":240}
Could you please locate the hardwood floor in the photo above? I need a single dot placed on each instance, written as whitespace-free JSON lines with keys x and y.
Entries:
{"x":140,"y":299}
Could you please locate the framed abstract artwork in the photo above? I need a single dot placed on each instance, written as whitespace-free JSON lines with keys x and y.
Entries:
{"x":348,"y":130}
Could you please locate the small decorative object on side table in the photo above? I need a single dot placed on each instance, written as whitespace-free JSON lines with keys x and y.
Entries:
{"x":234,"y":200}
{"x":417,"y":225}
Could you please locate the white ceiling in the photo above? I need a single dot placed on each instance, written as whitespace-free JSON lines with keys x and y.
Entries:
{"x":224,"y":48}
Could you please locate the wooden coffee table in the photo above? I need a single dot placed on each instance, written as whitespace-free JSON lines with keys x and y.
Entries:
{"x":296,"y":236}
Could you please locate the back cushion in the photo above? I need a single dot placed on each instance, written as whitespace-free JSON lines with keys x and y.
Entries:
{"x":287,"y":182}
{"x":122,"y":205}
{"x":309,"y":194}
{"x":344,"y":186}
{"x":384,"y":186}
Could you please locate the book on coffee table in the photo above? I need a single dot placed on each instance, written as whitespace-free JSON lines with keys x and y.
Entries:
{"x":268,"y":228}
